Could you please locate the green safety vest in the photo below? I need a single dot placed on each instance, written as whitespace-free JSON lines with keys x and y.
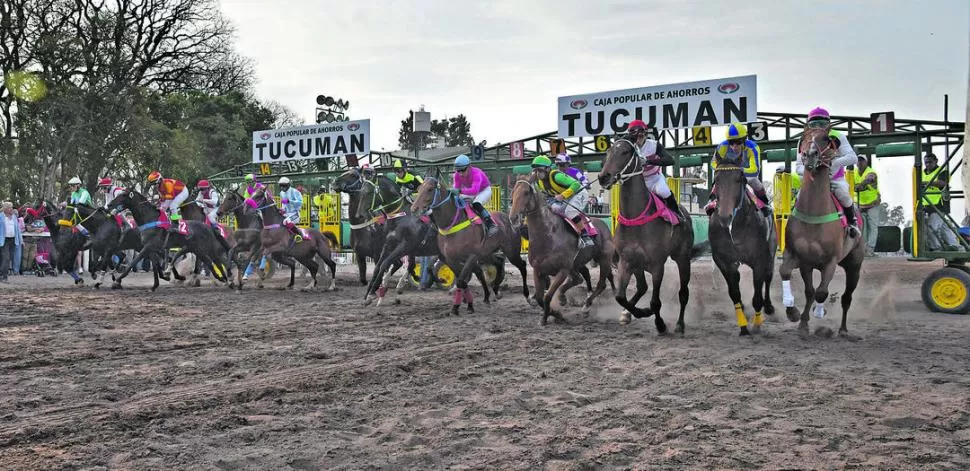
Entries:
{"x":870,"y":195}
{"x":932,"y":194}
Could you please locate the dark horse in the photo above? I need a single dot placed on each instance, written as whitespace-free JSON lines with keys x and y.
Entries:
{"x":278,"y":242}
{"x":156,"y":239}
{"x":645,"y":244}
{"x":740,"y":234}
{"x":192,"y":211}
{"x":815,"y":238}
{"x":366,"y":237}
{"x":66,"y":242}
{"x":463,"y":243}
{"x":247,"y":236}
{"x":553,"y":249}
{"x":106,"y":236}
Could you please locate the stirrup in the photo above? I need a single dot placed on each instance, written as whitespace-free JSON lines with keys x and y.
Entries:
{"x":853,"y":231}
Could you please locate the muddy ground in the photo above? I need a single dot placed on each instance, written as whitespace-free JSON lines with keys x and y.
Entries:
{"x":201,"y":378}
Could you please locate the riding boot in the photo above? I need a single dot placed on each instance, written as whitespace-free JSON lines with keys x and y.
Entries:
{"x":763,"y":196}
{"x":584,"y":239}
{"x":674,"y":206}
{"x":490,"y":228}
{"x":850,"y":219}
{"x":297,"y":237}
{"x":711,"y":202}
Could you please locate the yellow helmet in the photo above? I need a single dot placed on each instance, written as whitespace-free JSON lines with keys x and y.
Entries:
{"x":736,"y":131}
{"x":398,"y":163}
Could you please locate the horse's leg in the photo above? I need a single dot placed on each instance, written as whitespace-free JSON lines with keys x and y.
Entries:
{"x":852,"y":273}
{"x":480,"y":276}
{"x":822,"y":292}
{"x":134,"y":262}
{"x":499,"y":279}
{"x":405,"y":277}
{"x":624,"y":272}
{"x":279,"y":257}
{"x":657,"y":276}
{"x":156,"y":268}
{"x":787,"y":297}
{"x":769,"y":271}
{"x":574,"y":279}
{"x":757,"y":299}
{"x":362,"y":267}
{"x":520,"y":263}
{"x":460,"y":287}
{"x":605,"y":274}
{"x":732,"y":276}
{"x":554,"y":286}
{"x":308,"y":262}
{"x":465,"y":274}
{"x":806,"y":272}
{"x":325,"y":253}
{"x":683,"y":295}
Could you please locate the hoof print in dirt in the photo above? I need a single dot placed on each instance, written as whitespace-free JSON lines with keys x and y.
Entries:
{"x":824,"y":332}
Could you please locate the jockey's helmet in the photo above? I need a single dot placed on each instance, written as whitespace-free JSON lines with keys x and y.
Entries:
{"x":284,"y":181}
{"x":400,"y":164}
{"x":563,"y":159}
{"x":818,"y":113}
{"x":154,"y":177}
{"x":636,"y":125}
{"x":541,"y":161}
{"x":249,"y":177}
{"x":462,"y":162}
{"x":104,"y":182}
{"x":736,"y":131}
{"x":203,"y":184}
{"x":74,"y":181}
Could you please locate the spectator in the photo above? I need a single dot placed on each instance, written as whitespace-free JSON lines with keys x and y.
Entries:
{"x":935,"y":180}
{"x":11,"y":238}
{"x":867,"y":192}
{"x":593,"y":205}
{"x":19,"y":252}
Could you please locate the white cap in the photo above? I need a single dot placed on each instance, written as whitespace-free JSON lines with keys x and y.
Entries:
{"x":284,"y":181}
{"x":74,"y":181}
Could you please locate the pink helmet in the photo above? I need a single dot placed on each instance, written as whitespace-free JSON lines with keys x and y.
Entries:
{"x":104,"y":182}
{"x":636,"y":124}
{"x":818,"y":112}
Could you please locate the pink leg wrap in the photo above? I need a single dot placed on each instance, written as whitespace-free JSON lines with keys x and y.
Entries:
{"x":381,"y":291}
{"x":459,"y":293}
{"x":468,"y":296}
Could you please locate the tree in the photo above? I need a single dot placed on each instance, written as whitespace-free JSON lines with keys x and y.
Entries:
{"x":456,"y":131}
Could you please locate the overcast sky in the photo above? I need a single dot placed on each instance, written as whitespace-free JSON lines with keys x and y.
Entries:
{"x":504,"y":63}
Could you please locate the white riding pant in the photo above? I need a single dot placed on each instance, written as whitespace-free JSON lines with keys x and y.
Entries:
{"x":571,"y":208}
{"x":292,"y":218}
{"x":172,"y":206}
{"x":484,"y":197}
{"x":840,"y":188}
{"x":210,"y":214}
{"x":657,"y":184}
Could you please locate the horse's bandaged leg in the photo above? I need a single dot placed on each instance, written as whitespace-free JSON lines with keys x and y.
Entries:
{"x":758,"y":319}
{"x":459,"y":294}
{"x":819,"y":310}
{"x":739,"y":312}
{"x":468,"y":296}
{"x":787,"y":298}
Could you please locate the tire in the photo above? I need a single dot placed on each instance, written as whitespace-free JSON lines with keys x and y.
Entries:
{"x":947,"y":290}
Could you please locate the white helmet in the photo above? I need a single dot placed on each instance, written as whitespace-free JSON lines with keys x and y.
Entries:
{"x":284,"y":181}
{"x":74,"y":181}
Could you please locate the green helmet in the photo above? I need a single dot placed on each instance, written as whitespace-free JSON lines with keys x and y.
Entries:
{"x":541,"y":162}
{"x":249,"y":177}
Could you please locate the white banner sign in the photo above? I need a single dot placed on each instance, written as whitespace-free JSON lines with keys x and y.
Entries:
{"x":680,"y":105}
{"x":315,"y":141}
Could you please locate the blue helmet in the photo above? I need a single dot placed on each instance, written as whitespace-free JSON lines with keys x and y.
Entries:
{"x":462,"y":161}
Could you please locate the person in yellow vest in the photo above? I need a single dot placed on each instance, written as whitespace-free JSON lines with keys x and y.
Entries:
{"x":935,"y":180}
{"x":319,"y":203}
{"x":867,"y":196}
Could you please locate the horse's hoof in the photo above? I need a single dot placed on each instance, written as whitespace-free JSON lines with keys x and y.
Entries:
{"x":769,"y":309}
{"x":661,"y":328}
{"x":471,"y":309}
{"x":397,"y":301}
{"x":679,"y":329}
{"x":79,"y":281}
{"x":793,"y":314}
{"x":543,"y":321}
{"x":584,"y":309}
{"x":454,"y":310}
{"x":824,"y":332}
{"x":625,"y":317}
{"x":850,"y":337}
{"x":197,"y":283}
{"x":558,"y":318}
{"x":532,"y":301}
{"x":379,"y":302}
{"x":116,"y":285}
{"x":399,"y":292}
{"x":498,"y":295}
{"x":97,"y":285}
{"x":803,"y":333}
{"x":744,"y":332}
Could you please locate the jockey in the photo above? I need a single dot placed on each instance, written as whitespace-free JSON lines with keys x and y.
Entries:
{"x":171,"y":194}
{"x":208,"y":198}
{"x":107,"y":187}
{"x":737,"y":147}
{"x":563,"y":163}
{"x":406,"y":181}
{"x":570,"y":195}
{"x":292,"y":201}
{"x":819,"y":118}
{"x":79,"y":194}
{"x":252,"y":186}
{"x":471,"y":183}
{"x":653,"y":155}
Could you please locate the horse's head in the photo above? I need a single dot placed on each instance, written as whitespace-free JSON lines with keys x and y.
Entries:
{"x":621,"y":163}
{"x":231,"y":201}
{"x":817,"y":147}
{"x":731,"y":183}
{"x":125,"y":199}
{"x":524,"y":199}
{"x":350,"y":181}
{"x":428,"y":196}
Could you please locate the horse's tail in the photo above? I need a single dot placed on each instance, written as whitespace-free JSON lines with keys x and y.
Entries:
{"x":700,"y":249}
{"x":334,"y":243}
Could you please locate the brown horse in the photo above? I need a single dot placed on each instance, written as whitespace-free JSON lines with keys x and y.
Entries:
{"x":464,"y":245}
{"x":740,"y":234}
{"x":247,"y":241}
{"x":553,"y":248}
{"x":278,"y":242}
{"x":645,"y":244}
{"x":815,"y":238}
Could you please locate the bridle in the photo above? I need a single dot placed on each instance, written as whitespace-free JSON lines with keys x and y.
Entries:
{"x":633,"y":166}
{"x":532,"y":190}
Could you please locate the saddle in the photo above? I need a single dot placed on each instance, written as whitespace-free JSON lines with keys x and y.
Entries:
{"x":656,"y":207}
{"x":219,"y":228}
{"x":590,"y":228}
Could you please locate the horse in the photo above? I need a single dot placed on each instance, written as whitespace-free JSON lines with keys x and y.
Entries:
{"x":553,"y":248}
{"x":156,"y":238}
{"x":644,"y":241}
{"x":739,"y":233}
{"x":816,"y":239}
{"x":463,"y":242}
{"x":66,"y":243}
{"x":193,"y":211}
{"x":366,"y":238}
{"x":406,"y":235}
{"x":278,"y":242}
{"x":247,"y":236}
{"x":105,"y":236}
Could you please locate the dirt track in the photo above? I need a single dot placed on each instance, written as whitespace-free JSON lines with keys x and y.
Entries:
{"x":200,"y":378}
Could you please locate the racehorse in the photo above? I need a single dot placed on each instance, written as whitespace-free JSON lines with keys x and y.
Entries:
{"x":278,"y":242}
{"x":816,"y":239}
{"x":192,"y":211}
{"x":463,"y":242}
{"x":407,"y":235}
{"x":553,"y":248}
{"x":366,"y":237}
{"x":643,"y":240}
{"x":66,"y":243}
{"x":102,"y":234}
{"x":153,"y":224}
{"x":247,"y":238}
{"x":740,"y":234}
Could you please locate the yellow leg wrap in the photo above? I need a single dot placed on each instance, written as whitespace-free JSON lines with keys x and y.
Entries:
{"x":758,"y":320}
{"x":216,"y":270}
{"x":742,"y":319}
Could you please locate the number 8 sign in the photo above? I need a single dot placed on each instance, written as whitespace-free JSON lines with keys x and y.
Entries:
{"x":516,"y":150}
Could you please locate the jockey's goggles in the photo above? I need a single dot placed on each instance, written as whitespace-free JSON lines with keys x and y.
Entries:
{"x":461,"y":169}
{"x":735,"y":142}
{"x":818,"y":123}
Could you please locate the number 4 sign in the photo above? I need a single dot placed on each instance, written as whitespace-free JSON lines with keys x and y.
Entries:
{"x":884,"y":122}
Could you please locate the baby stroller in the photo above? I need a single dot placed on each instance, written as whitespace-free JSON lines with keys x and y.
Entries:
{"x":43,"y":259}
